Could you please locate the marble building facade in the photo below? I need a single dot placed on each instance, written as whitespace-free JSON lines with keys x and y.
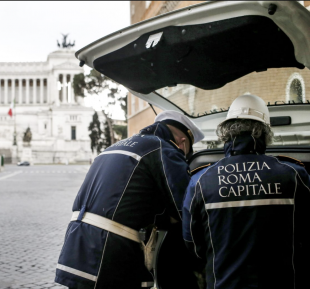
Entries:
{"x":44,"y":102}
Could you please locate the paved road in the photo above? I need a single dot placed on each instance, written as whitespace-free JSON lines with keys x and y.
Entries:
{"x":35,"y":209}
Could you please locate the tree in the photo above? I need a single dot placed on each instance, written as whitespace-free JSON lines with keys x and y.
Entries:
{"x":120,"y":130}
{"x":123,"y":103}
{"x":107,"y":141}
{"x":96,"y":83}
{"x":96,"y":141}
{"x":108,"y":131}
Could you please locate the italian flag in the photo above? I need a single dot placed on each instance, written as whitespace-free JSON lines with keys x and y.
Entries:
{"x":10,"y":112}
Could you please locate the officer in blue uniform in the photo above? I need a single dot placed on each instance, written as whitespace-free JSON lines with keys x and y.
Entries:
{"x":137,"y":183}
{"x":246,"y":215}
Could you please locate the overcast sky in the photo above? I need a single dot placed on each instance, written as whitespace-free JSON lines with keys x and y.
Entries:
{"x":30,"y":30}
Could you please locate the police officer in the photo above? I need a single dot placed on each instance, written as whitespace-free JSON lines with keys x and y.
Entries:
{"x":246,"y":215}
{"x":137,"y":183}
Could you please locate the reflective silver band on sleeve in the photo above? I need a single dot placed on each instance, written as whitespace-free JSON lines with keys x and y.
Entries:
{"x":147,"y":284}
{"x":133,"y":155}
{"x":249,"y":203}
{"x":109,"y":225}
{"x":77,"y":272}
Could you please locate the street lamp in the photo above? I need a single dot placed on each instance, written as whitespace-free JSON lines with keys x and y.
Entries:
{"x":14,"y":134}
{"x":14,"y":137}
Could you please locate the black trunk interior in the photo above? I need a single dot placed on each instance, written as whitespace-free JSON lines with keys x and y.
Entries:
{"x":204,"y":55}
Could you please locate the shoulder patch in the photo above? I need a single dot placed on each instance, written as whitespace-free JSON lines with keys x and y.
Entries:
{"x":289,"y":159}
{"x":194,"y":171}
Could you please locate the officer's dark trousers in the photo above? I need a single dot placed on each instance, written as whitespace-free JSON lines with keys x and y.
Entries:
{"x":175,"y":264}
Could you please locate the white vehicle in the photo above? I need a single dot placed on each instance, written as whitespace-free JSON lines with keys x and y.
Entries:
{"x":198,"y":59}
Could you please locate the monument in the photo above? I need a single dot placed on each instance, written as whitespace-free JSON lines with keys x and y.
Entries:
{"x":45,"y":102}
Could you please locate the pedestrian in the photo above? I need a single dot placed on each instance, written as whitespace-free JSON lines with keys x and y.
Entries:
{"x":137,"y":183}
{"x":246,"y":215}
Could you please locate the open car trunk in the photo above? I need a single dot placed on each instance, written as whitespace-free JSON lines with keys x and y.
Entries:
{"x":198,"y":59}
{"x":207,"y":56}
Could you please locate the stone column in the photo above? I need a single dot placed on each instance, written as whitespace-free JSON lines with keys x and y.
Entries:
{"x":48,"y":94}
{"x":13,"y":90}
{"x":34,"y":87}
{"x":5,"y":91}
{"x":55,"y":87}
{"x":20,"y":93}
{"x":72,"y":90}
{"x":41,"y":90}
{"x":64,"y":88}
{"x":27,"y":91}
{"x":69,"y":90}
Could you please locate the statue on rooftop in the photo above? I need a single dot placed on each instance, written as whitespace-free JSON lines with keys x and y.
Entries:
{"x":64,"y":43}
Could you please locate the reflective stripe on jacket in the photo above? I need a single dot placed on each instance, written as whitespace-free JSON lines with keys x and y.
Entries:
{"x":132,"y":182}
{"x":246,"y":216}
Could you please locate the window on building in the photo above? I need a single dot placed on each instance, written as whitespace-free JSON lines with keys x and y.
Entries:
{"x":132,"y":9}
{"x":45,"y":126}
{"x":133,"y":104}
{"x":73,"y":132}
{"x":73,"y":117}
{"x":140,"y":104}
{"x":147,"y":4}
{"x":296,"y":90}
{"x":168,"y":6}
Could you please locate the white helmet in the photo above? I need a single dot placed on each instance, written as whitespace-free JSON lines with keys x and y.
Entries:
{"x":249,"y":106}
{"x":186,"y":125}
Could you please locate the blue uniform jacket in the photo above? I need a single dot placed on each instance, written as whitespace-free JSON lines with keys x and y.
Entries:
{"x":246,"y":217}
{"x":132,"y":182}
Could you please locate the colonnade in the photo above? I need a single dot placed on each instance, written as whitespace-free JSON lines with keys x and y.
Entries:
{"x":23,"y":90}
{"x":36,"y":90}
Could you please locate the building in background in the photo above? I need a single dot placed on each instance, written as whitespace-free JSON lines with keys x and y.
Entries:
{"x":45,"y":103}
{"x":277,"y":85}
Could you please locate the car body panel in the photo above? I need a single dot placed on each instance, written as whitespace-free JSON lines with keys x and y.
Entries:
{"x":25,"y":163}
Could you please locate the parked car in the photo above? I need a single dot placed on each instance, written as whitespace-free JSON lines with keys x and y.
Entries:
{"x":198,"y":59}
{"x":25,"y":163}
